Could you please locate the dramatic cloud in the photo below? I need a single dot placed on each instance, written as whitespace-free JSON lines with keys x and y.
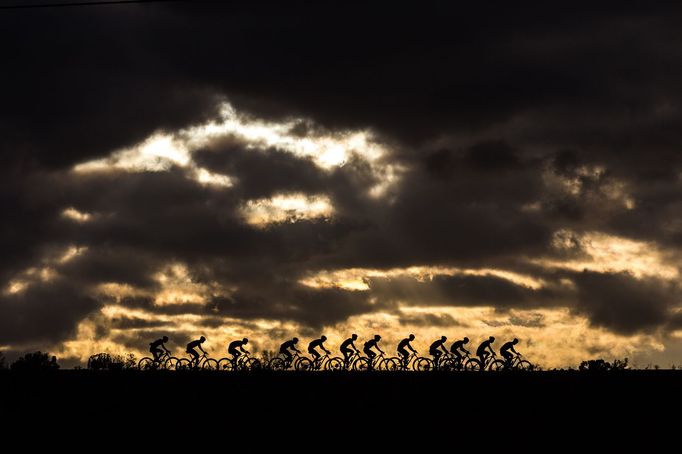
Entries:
{"x":276,"y":170}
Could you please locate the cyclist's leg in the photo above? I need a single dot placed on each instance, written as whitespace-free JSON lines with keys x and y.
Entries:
{"x":316,"y":357}
{"x":195,"y":358}
{"x":287,"y":357}
{"x":235,"y":357}
{"x":346,"y":356}
{"x":482,"y":356}
{"x":436,"y":357}
{"x":404,"y":356}
{"x":458,"y":358}
{"x":508,"y":359}
{"x":371,"y":355}
{"x":156,"y":352}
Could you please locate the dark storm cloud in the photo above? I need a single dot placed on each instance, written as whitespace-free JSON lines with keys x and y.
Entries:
{"x":463,"y":290}
{"x":46,"y":312}
{"x":479,"y":103}
{"x":624,"y":304}
{"x":440,"y":320}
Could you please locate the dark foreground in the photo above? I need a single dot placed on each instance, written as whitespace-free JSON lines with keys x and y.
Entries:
{"x":551,"y":402}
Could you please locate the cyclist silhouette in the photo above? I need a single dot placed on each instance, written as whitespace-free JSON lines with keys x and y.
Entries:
{"x":437,"y":349}
{"x":372,"y":343}
{"x":236,"y":348}
{"x":289,"y":345}
{"x":193,"y":345}
{"x":158,"y":347}
{"x":402,"y":349}
{"x":459,"y":345}
{"x":312,"y":348}
{"x":482,"y":350}
{"x":348,"y":348}
{"x":505,"y":351}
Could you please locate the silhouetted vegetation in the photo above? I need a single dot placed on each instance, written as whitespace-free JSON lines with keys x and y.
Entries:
{"x":105,"y":361}
{"x":37,"y":361}
{"x":3,"y":362}
{"x":600,"y":365}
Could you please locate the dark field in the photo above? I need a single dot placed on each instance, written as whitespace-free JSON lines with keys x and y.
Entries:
{"x":554,"y":402}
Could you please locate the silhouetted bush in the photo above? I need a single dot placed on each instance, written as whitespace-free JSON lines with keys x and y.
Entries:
{"x":3,"y":362}
{"x":599,"y":365}
{"x":105,"y":361}
{"x":37,"y":361}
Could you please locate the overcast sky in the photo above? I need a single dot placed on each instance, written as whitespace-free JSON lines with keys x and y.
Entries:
{"x":188,"y":168}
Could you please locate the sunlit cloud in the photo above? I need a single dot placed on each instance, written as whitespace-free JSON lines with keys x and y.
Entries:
{"x":75,"y":215}
{"x":286,"y":207}
{"x":165,"y":150}
{"x":359,"y":278}
{"x":608,"y":253}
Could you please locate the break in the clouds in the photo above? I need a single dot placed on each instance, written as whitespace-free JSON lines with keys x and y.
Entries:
{"x":267,"y":170}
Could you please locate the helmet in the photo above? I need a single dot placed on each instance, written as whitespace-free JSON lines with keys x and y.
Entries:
{"x":516,"y":341}
{"x":411,"y":337}
{"x":165,"y":338}
{"x":202,"y":338}
{"x":491,"y":339}
{"x":295,"y":339}
{"x":245,"y":340}
{"x":465,"y":340}
{"x":323,"y":338}
{"x":443,"y":338}
{"x":377,"y":337}
{"x":354,"y":336}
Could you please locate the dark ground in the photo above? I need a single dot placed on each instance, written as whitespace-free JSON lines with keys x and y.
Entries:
{"x":559,"y":405}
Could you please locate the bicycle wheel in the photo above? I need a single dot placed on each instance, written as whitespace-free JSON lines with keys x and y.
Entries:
{"x":497,"y":365}
{"x":304,"y":364}
{"x":334,"y":364}
{"x":183,"y":364}
{"x":146,"y":364}
{"x":390,"y":364}
{"x":277,"y":364}
{"x":361,"y":364}
{"x":225,"y":364}
{"x":423,"y":365}
{"x":171,"y":363}
{"x":210,"y":364}
{"x":448,"y":364}
{"x":525,"y":365}
{"x":252,"y":364}
{"x":473,"y":365}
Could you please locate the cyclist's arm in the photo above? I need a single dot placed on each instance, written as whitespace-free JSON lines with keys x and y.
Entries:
{"x":381,"y":351}
{"x":164,"y":347}
{"x":201,"y":348}
{"x":512,"y":349}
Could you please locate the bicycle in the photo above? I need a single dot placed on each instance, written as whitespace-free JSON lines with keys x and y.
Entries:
{"x":413,"y":362}
{"x":202,"y":362}
{"x":491,"y":363}
{"x":423,"y":364}
{"x":165,"y":361}
{"x":281,"y":363}
{"x":454,"y":363}
{"x":380,"y":362}
{"x":518,"y":364}
{"x":243,"y":362}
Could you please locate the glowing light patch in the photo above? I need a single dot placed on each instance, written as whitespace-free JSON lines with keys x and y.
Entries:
{"x":75,"y":215}
{"x":358,"y":278}
{"x":160,"y":152}
{"x":290,"y":207}
{"x":608,"y":253}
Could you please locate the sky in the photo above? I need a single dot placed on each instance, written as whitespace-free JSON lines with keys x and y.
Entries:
{"x":271,"y":170}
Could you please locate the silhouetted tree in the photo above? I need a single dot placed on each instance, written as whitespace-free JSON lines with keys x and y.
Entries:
{"x":3,"y":362}
{"x":37,"y":361}
{"x":129,"y":361}
{"x":600,"y":365}
{"x":104,"y":361}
